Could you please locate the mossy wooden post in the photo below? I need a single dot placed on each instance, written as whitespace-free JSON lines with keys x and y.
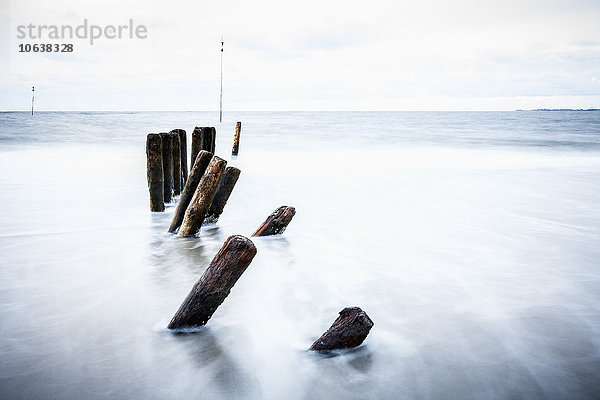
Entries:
{"x":276,"y":222}
{"x":214,"y":286}
{"x":167,"y":142}
{"x":224,"y":190}
{"x":349,"y":330}
{"x":154,"y":171}
{"x":176,"y":163}
{"x":189,"y":189}
{"x":196,"y":211}
{"x":236,"y":138}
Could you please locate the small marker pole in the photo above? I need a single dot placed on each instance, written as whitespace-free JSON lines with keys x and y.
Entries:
{"x":32,"y":98}
{"x":221,"y":96}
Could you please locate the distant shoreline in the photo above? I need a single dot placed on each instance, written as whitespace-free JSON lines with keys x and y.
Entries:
{"x":563,"y":109}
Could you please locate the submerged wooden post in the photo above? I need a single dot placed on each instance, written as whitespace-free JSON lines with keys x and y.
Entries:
{"x":196,"y":211}
{"x":203,"y":138}
{"x":176,"y":163}
{"x":224,"y":190}
{"x":236,"y":138}
{"x":167,"y":142}
{"x":215,"y":284}
{"x":276,"y":222}
{"x":154,"y":171}
{"x":349,"y":330}
{"x":189,"y":189}
{"x":183,"y":151}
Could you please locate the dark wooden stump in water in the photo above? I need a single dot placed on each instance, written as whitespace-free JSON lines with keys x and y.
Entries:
{"x":167,"y":142}
{"x":236,"y":138}
{"x":189,"y":189}
{"x":205,"y":192}
{"x":349,"y":330}
{"x":184,"y":167}
{"x":276,"y":222}
{"x":176,"y":163}
{"x":203,"y":138}
{"x":154,"y":171}
{"x":215,"y":284}
{"x":224,"y":190}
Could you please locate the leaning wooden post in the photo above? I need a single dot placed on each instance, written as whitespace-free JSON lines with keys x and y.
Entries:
{"x":349,"y":330}
{"x":236,"y":138}
{"x":189,"y":189}
{"x":176,"y":163}
{"x":276,"y":222}
{"x":224,"y":190}
{"x":196,"y":211}
{"x":154,"y":170}
{"x":167,"y":141}
{"x":215,"y":284}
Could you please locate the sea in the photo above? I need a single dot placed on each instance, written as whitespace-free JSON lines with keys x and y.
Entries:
{"x":471,"y":239}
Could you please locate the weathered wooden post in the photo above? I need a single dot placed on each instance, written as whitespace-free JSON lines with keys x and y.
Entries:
{"x":176,"y":163}
{"x":167,"y":142}
{"x":236,"y":138}
{"x":214,"y":286}
{"x":276,"y":222}
{"x":203,"y":138}
{"x":189,"y":189}
{"x":349,"y":330}
{"x":196,"y":211}
{"x":154,"y":171}
{"x":184,"y":168}
{"x":224,"y":190}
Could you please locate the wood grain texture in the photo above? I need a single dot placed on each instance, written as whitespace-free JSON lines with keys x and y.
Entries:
{"x":349,"y":330}
{"x":214,"y":286}
{"x":154,"y":171}
{"x":203,"y":196}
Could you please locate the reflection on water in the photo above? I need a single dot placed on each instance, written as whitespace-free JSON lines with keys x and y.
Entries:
{"x":476,"y":261}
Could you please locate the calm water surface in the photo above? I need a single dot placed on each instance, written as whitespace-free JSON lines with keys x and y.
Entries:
{"x":471,"y":239}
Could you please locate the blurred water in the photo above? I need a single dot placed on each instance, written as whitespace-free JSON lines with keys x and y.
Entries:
{"x":471,"y":239}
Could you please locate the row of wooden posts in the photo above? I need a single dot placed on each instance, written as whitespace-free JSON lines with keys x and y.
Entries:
{"x":202,"y":197}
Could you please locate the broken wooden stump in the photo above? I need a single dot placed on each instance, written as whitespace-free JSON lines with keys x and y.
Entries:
{"x":222,"y":194}
{"x":203,"y":196}
{"x":203,"y":138}
{"x":214,"y":286}
{"x":154,"y":171}
{"x":236,"y":138}
{"x":176,"y":163}
{"x":349,"y":330}
{"x":189,"y":189}
{"x":184,"y":169}
{"x":167,"y":142}
{"x":276,"y":222}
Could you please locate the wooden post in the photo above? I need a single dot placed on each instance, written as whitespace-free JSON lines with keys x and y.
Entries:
{"x":184,"y":169}
{"x":196,"y":211}
{"x":214,"y":286}
{"x":176,"y":163}
{"x":224,"y":190}
{"x":349,"y":330}
{"x":154,"y":171}
{"x":203,"y":138}
{"x":167,"y":141}
{"x":189,"y":189}
{"x":276,"y":222}
{"x":236,"y":138}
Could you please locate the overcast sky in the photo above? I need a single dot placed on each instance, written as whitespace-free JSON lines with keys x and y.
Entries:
{"x":310,"y":55}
